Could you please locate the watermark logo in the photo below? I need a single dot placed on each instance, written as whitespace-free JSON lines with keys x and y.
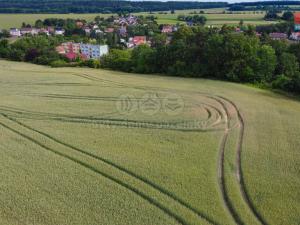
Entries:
{"x":127,"y":104}
{"x":173,"y":104}
{"x":151,"y":104}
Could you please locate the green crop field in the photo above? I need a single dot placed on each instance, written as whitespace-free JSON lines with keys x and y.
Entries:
{"x":90,"y":146}
{"x":214,"y":17}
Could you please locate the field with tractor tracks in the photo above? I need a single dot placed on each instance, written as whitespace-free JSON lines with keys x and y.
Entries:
{"x":90,"y":146}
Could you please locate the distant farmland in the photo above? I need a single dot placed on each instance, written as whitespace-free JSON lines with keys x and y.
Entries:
{"x":86,"y":146}
{"x":214,"y":17}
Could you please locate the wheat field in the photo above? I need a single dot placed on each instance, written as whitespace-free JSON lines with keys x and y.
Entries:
{"x":90,"y":146}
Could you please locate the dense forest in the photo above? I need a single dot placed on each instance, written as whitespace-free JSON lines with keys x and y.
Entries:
{"x":115,"y":6}
{"x":265,"y":5}
{"x":98,"y":6}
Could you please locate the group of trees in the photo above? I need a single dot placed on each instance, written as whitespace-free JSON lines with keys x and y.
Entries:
{"x":38,"y":49}
{"x":284,"y":27}
{"x":202,"y":52}
{"x":273,"y":15}
{"x":264,"y":5}
{"x":196,"y":19}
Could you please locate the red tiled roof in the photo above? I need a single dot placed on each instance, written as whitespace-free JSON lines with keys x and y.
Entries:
{"x":167,"y":29}
{"x":71,"y":55}
{"x":138,"y":40}
{"x":297,"y":18}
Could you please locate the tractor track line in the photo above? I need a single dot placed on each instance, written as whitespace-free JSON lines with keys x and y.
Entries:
{"x":221,"y":172}
{"x":122,"y":169}
{"x":241,"y":135}
{"x":239,"y":174}
{"x":185,"y":126}
{"x":107,"y":176}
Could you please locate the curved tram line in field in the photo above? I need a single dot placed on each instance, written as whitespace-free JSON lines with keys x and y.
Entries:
{"x":211,"y":123}
{"x":12,"y":113}
{"x":216,"y":117}
{"x":239,"y":174}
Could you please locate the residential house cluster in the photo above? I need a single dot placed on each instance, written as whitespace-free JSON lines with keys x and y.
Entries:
{"x":16,"y":32}
{"x":278,"y":36}
{"x":136,"y":41}
{"x":294,"y":36}
{"x":126,"y":20}
{"x":89,"y":28}
{"x":84,"y":51}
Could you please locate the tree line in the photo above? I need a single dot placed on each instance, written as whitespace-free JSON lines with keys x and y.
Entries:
{"x":100,"y":6}
{"x":208,"y":53}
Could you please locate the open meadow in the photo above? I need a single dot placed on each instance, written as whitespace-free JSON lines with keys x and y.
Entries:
{"x":90,"y":146}
{"x":214,"y":17}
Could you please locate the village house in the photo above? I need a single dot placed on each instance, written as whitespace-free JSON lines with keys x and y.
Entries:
{"x":136,"y":41}
{"x":94,"y":27}
{"x":139,"y":40}
{"x":295,"y":36}
{"x":87,"y":29}
{"x":68,"y":47}
{"x":51,"y":30}
{"x":129,"y":20}
{"x":60,"y":50}
{"x":44,"y":31}
{"x":123,"y":31}
{"x":73,"y":56}
{"x":167,"y":29}
{"x":70,"y":50}
{"x":32,"y":31}
{"x":278,"y":36}
{"x":14,"y":32}
{"x":98,"y":31}
{"x":84,"y":51}
{"x":59,"y":31}
{"x":238,"y":30}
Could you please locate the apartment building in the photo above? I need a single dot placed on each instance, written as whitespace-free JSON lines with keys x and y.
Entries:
{"x":93,"y":51}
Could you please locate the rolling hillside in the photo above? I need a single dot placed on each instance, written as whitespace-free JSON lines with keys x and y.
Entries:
{"x":86,"y":146}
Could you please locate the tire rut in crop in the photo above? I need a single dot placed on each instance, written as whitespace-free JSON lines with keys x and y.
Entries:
{"x":122,"y":169}
{"x":221,"y":162}
{"x":107,"y":176}
{"x":185,"y":125}
{"x":239,"y":172}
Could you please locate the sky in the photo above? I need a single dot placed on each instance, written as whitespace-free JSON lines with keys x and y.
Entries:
{"x":230,"y":1}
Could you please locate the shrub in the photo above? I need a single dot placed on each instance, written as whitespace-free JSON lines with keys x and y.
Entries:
{"x":58,"y":63}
